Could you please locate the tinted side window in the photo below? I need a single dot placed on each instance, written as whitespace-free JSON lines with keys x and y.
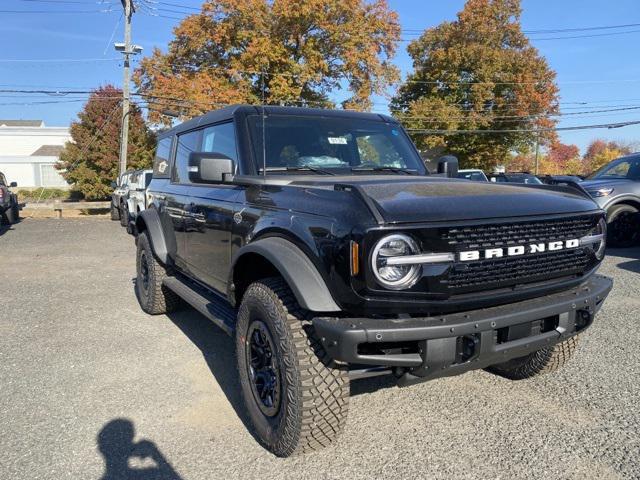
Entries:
{"x":161,"y":160}
{"x":187,"y":143}
{"x":221,"y":139}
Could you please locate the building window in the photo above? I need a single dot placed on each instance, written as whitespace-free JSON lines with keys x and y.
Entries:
{"x":50,"y":177}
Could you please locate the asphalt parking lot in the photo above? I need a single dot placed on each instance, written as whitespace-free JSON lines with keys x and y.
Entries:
{"x":91,"y":387}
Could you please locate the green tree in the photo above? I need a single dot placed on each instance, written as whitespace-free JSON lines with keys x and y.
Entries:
{"x":478,"y":72}
{"x":90,"y":160}
{"x":289,"y":51}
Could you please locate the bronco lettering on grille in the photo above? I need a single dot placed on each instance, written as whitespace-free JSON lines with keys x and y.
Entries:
{"x":516,"y":250}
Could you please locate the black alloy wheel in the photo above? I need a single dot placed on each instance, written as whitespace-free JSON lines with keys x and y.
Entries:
{"x":144,"y":273}
{"x":263,"y":369}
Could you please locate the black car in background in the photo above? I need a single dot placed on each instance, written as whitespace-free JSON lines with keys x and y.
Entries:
{"x":560,"y":179}
{"x":9,"y":206}
{"x":318,"y":239}
{"x":515,"y":177}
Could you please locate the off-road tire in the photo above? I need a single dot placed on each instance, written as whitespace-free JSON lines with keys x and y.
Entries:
{"x":124,"y":214}
{"x":154,"y":298}
{"x":315,"y":391}
{"x":613,"y":214}
{"x":115,"y":212}
{"x":16,"y":212}
{"x":8,"y":218}
{"x":545,"y":360}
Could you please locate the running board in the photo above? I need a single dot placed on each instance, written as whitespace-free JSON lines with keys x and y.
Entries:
{"x":208,"y":304}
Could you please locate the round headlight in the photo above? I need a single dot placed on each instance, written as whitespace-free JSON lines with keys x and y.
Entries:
{"x":599,"y":247}
{"x":395,"y":277}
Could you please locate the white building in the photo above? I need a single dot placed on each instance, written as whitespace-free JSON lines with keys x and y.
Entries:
{"x":29,"y":151}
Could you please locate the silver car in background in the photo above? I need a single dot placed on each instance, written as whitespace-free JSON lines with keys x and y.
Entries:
{"x":616,"y":188}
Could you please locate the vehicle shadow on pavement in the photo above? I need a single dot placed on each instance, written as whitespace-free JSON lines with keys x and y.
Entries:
{"x":126,"y":459}
{"x":218,"y":350}
{"x":633,"y":256}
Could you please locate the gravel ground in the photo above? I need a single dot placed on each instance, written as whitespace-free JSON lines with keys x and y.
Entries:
{"x":92,"y":387}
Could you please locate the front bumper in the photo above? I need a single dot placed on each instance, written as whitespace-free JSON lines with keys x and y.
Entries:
{"x":425,"y":348}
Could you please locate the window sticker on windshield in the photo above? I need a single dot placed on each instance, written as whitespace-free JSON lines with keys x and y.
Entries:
{"x":394,"y":132}
{"x":337,"y":140}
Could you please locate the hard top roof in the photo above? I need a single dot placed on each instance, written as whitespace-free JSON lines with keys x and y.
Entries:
{"x":227,"y":113}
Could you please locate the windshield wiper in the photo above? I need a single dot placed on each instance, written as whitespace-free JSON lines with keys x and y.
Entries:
{"x":301,"y":168}
{"x":406,"y":171}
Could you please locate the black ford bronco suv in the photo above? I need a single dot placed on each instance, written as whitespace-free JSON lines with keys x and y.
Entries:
{"x":319,"y":239}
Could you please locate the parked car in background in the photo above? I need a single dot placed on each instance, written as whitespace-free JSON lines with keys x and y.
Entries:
{"x":616,"y":188}
{"x":9,"y":207}
{"x":473,"y":174}
{"x":137,"y":198}
{"x":119,"y":197}
{"x":515,"y":177}
{"x":559,"y":179}
{"x":319,"y":240}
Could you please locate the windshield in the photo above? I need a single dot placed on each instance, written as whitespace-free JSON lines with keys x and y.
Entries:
{"x":628,"y":168}
{"x":331,"y":145}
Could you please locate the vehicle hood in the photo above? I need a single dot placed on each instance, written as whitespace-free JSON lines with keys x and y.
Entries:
{"x":433,"y":199}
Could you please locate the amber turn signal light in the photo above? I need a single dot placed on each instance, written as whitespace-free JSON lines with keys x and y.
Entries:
{"x":355,"y":258}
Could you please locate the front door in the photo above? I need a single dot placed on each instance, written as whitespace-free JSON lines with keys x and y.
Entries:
{"x":177,"y":196}
{"x":210,"y":215}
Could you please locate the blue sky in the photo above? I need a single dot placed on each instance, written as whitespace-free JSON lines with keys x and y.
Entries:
{"x":600,"y":70}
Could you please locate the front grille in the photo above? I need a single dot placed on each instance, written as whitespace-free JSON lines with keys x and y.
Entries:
{"x":500,"y":235}
{"x":513,"y":271}
{"x":516,"y":270}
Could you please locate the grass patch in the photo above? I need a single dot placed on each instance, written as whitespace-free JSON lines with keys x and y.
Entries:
{"x":44,"y":194}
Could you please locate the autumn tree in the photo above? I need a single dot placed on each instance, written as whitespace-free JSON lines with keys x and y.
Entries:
{"x":90,"y":160}
{"x":283,"y":51}
{"x":600,"y":152}
{"x":478,"y":73}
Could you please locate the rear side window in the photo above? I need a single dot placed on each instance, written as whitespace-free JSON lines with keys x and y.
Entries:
{"x":161,"y":160}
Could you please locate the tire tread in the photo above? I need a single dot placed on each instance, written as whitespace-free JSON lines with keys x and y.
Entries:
{"x":317,"y":415}
{"x":545,"y":360}
{"x":161,"y":299}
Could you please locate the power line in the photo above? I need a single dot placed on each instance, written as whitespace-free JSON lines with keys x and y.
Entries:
{"x":546,"y":31}
{"x":65,"y":12}
{"x":58,"y":60}
{"x":556,"y":129}
{"x":61,"y":2}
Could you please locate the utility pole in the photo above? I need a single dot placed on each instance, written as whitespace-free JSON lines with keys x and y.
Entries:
{"x":537,"y":150}
{"x":127,"y":50}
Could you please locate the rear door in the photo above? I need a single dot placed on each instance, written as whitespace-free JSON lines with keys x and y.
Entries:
{"x":211,"y":209}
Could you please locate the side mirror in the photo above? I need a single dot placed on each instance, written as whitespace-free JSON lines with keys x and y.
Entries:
{"x":13,"y":184}
{"x":448,"y":165}
{"x":114,"y":185}
{"x":209,"y":167}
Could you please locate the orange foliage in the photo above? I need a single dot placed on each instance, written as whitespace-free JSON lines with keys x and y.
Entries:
{"x":287,"y":51}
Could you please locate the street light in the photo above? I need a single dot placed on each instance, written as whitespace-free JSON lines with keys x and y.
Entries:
{"x":121,"y":47}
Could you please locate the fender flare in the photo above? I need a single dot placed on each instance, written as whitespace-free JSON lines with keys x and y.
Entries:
{"x":149,"y":221}
{"x":296,"y":268}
